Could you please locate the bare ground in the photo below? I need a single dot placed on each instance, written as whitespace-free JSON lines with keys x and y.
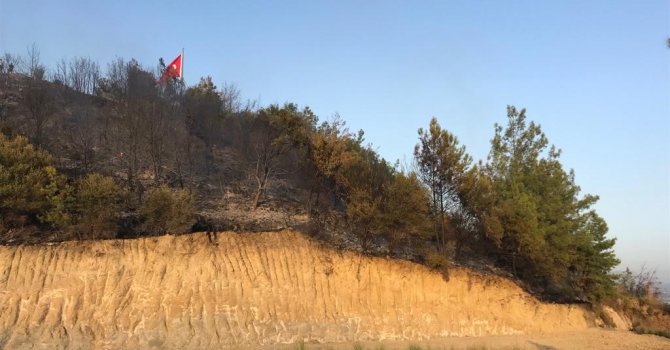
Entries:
{"x":592,"y":339}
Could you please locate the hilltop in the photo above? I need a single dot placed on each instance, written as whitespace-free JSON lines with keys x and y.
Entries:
{"x":92,"y":155}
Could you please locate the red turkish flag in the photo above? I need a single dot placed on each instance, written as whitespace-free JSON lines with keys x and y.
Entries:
{"x":173,"y":70}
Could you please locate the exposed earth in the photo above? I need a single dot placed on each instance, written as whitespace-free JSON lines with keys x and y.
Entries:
{"x":271,"y":290}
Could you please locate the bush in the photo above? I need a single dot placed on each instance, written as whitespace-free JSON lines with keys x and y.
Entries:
{"x":60,"y":199}
{"x":167,"y":210}
{"x":31,"y":191}
{"x":643,"y":285}
{"x":98,"y":206}
{"x":639,"y":329}
{"x":435,"y":260}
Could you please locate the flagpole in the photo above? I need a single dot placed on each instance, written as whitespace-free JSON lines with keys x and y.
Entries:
{"x":181,"y":66}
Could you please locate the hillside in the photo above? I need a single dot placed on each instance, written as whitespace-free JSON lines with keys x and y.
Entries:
{"x":182,"y":292}
{"x":122,"y":153}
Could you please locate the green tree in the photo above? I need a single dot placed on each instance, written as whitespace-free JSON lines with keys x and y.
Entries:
{"x":60,"y":197}
{"x":475,"y":197}
{"x":513,"y":165}
{"x":362,"y":185}
{"x":168,"y":210}
{"x":543,"y":229}
{"x":277,"y":131}
{"x":443,"y":165}
{"x":203,"y":104}
{"x":31,"y":191}
{"x":364,"y":216}
{"x":98,"y":206}
{"x":404,"y":207}
{"x":329,"y":153}
{"x":330,"y":150}
{"x":594,"y":259}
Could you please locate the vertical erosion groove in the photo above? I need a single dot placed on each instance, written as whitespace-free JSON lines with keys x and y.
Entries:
{"x":181,"y":292}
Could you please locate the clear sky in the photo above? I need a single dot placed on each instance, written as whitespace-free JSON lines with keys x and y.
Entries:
{"x":594,"y":74}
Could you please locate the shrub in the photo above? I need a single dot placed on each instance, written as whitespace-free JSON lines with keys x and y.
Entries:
{"x":60,"y":198}
{"x":167,"y":210}
{"x":435,"y":260}
{"x":31,"y":191}
{"x":639,"y":329}
{"x":643,"y":285}
{"x":99,"y":205}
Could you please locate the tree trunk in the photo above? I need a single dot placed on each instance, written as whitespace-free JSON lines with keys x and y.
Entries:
{"x":261,"y":179}
{"x":257,"y":197}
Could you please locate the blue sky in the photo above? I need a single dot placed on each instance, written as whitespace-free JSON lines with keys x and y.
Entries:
{"x":595,"y":75}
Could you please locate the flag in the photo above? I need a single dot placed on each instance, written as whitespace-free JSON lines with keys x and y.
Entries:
{"x":174,"y":69}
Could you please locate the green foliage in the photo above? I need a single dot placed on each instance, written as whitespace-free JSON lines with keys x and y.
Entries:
{"x":294,"y":126}
{"x":642,"y":285}
{"x":168,"y":210}
{"x":594,"y":258}
{"x":521,"y":207}
{"x":31,"y":191}
{"x":276,"y":132}
{"x":203,"y":106}
{"x":98,"y":205}
{"x":60,"y":196}
{"x":378,"y":200}
{"x":24,"y":176}
{"x":476,"y":198}
{"x":329,"y":152}
{"x":405,"y":208}
{"x":364,"y":215}
{"x":548,"y":235}
{"x":442,"y":162}
{"x":436,"y":260}
{"x":443,"y":166}
{"x":363,"y":182}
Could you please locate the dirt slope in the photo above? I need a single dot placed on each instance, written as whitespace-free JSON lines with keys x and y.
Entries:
{"x":250,"y":290}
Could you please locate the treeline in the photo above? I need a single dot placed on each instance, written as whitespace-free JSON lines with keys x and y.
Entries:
{"x":130,"y":156}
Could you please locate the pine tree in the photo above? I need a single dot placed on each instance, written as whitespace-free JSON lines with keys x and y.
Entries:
{"x":547,"y":234}
{"x":442,"y":166}
{"x":98,"y":206}
{"x":594,"y":259}
{"x":31,"y":191}
{"x":167,"y":210}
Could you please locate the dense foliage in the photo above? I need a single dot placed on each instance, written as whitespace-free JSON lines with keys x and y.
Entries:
{"x":99,"y":202}
{"x":167,"y":210}
{"x":129,"y":154}
{"x":29,"y":185}
{"x":542,"y":228}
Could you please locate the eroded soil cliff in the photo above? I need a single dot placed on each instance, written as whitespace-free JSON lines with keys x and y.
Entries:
{"x":180,"y":292}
